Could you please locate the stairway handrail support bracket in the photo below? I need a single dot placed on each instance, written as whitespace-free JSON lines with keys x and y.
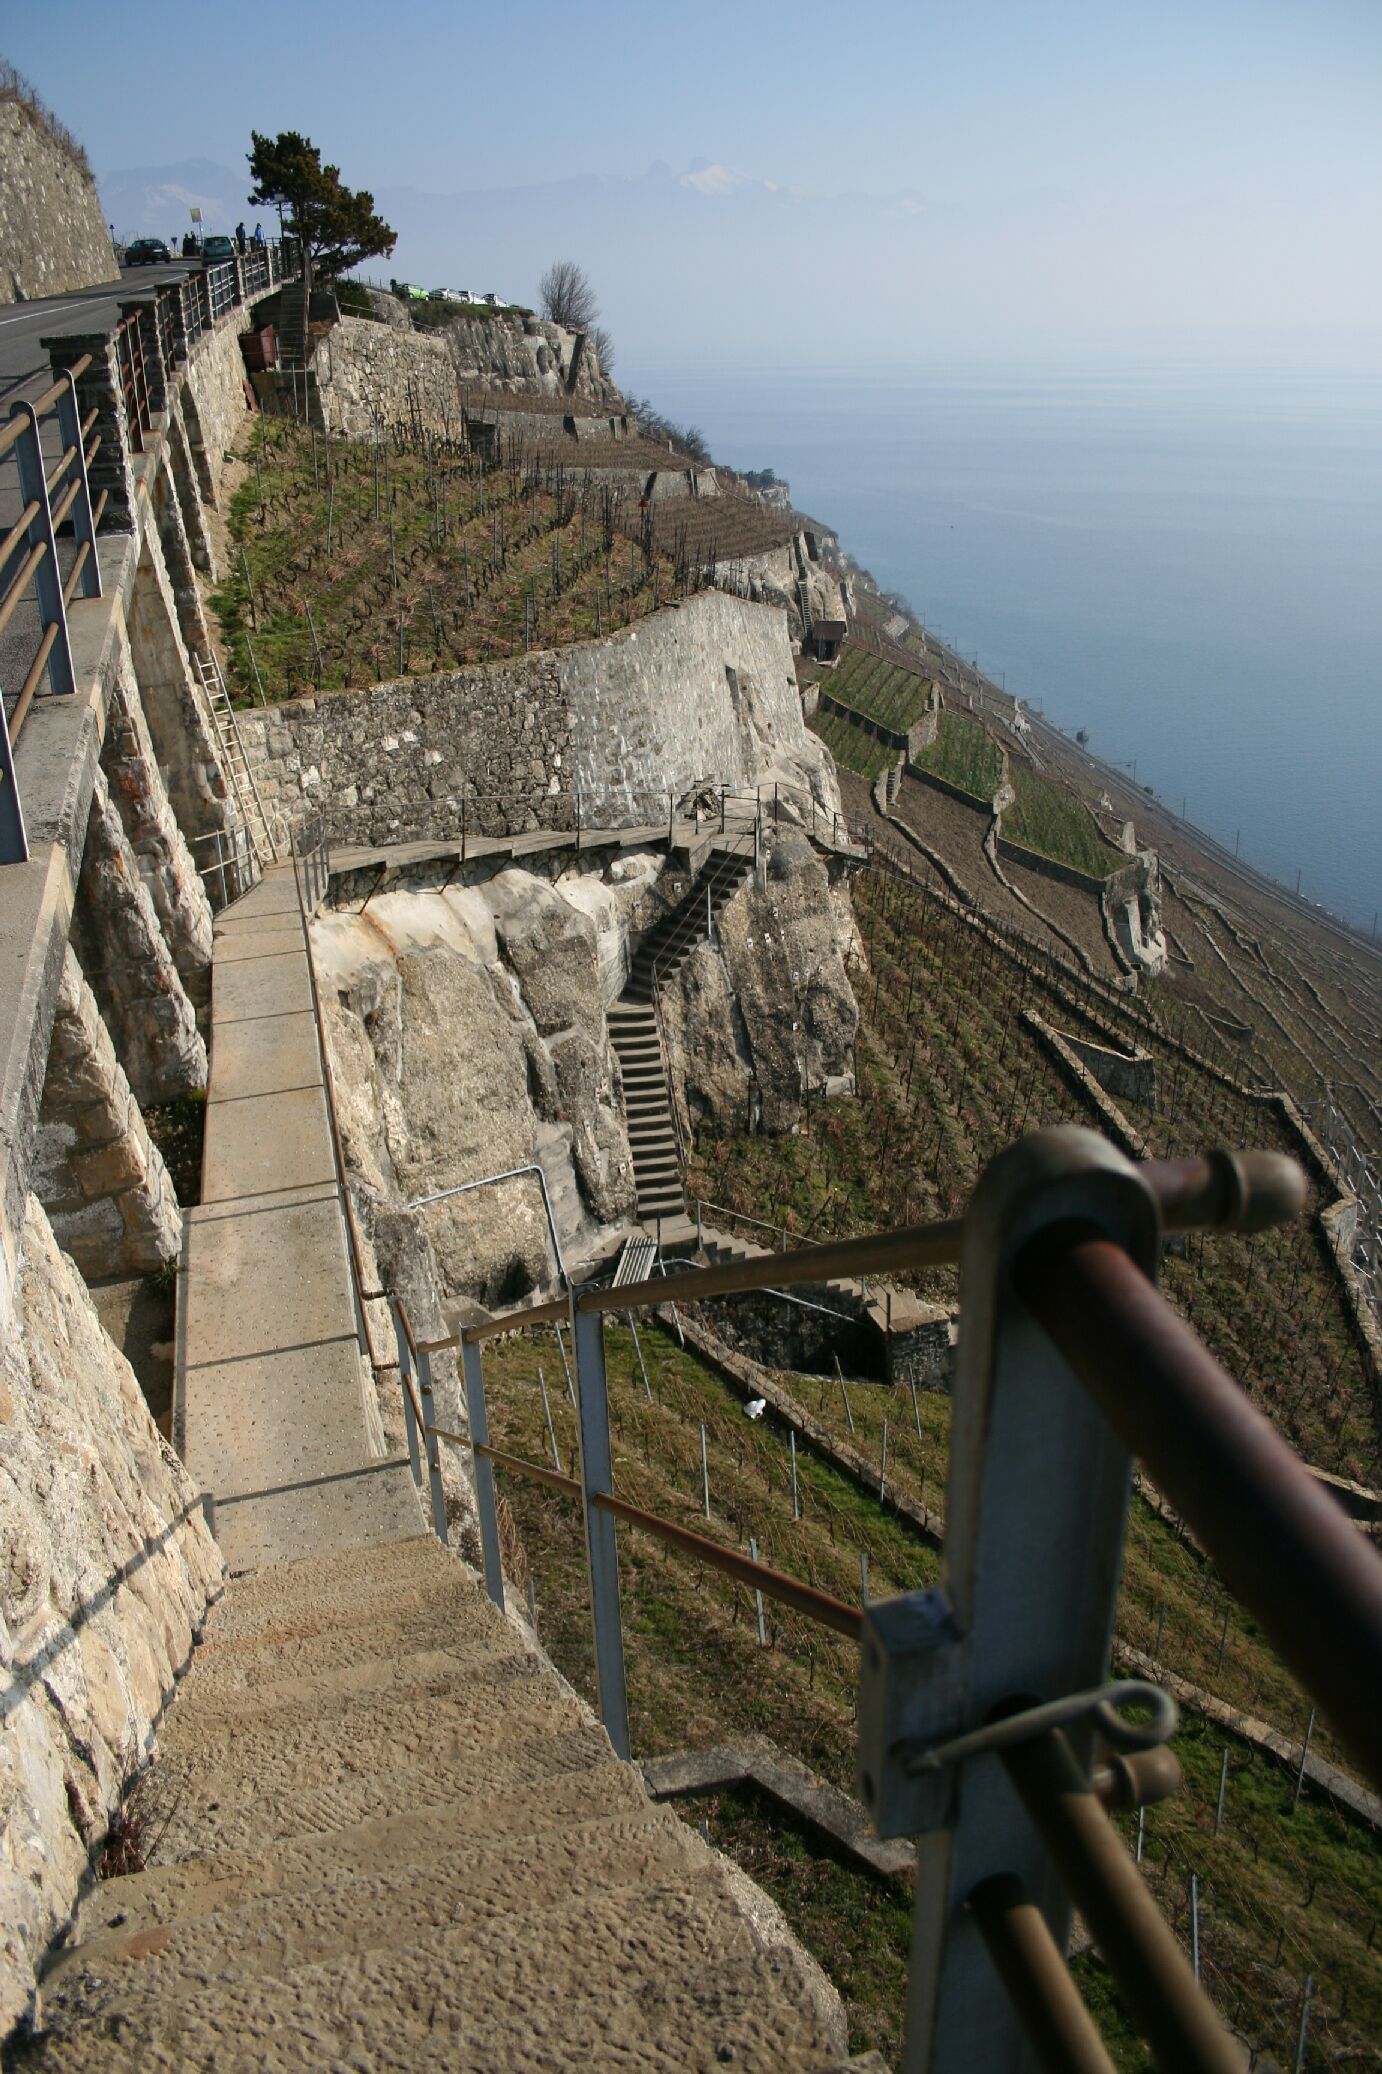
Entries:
{"x":1036,"y":1508}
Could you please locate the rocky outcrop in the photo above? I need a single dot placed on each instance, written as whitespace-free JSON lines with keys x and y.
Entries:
{"x":1131,"y":905}
{"x":468,"y":1036}
{"x":763,"y":1018}
{"x":106,"y":1567}
{"x":125,"y":955}
{"x":99,"y":1175}
{"x":370,"y":373}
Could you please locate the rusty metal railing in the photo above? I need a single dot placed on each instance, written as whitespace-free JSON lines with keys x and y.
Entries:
{"x":55,"y":501}
{"x":983,"y":1706}
{"x":54,"y":497}
{"x":133,"y":377}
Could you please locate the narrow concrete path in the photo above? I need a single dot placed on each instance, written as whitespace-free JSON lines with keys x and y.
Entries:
{"x":274,"y":1400}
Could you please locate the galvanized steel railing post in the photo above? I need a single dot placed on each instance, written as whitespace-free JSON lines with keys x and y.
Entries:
{"x":83,"y":530}
{"x":1035,"y":1510}
{"x":478,"y":1415}
{"x":429,"y":1440}
{"x":601,"y":1542}
{"x":33,"y":488}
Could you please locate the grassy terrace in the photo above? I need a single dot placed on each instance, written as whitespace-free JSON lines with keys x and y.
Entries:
{"x":879,"y":688}
{"x":399,"y":559}
{"x":1050,"y":817}
{"x":853,"y":746}
{"x":964,"y":753}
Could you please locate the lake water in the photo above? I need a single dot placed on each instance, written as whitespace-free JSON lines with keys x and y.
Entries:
{"x":1186,"y":560}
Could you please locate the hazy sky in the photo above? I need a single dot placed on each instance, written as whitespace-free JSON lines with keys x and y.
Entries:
{"x":911,"y":175}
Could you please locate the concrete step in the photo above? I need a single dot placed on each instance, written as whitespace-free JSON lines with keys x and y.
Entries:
{"x":446,"y":1877}
{"x":507,"y":1758}
{"x":287,"y":1650}
{"x":336,"y":1733}
{"x":338,"y":1691}
{"x":357,"y":1508}
{"x":201,"y":1885}
{"x":317,"y":1591}
{"x":678,"y":1980}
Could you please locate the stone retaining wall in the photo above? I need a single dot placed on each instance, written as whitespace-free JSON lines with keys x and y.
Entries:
{"x":700,"y":690}
{"x":53,"y":235}
{"x":1050,"y":867}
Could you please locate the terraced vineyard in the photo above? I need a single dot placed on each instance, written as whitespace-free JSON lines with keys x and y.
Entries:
{"x":879,"y":687}
{"x":704,"y":531}
{"x":1049,"y":817}
{"x":852,"y":745}
{"x":355,"y":561}
{"x":964,"y":753}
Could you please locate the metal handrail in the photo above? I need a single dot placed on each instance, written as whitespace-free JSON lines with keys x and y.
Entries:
{"x":33,"y":538}
{"x":1228,"y":1191}
{"x":443,"y":1195}
{"x":1067,"y":1326}
{"x":774,"y":1584}
{"x":1284,"y":1547}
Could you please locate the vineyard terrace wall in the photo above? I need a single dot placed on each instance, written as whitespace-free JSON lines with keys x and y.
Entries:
{"x":370,"y":373}
{"x":704,"y":691}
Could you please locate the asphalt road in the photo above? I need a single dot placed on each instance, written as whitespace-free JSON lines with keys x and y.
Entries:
{"x":22,"y":325}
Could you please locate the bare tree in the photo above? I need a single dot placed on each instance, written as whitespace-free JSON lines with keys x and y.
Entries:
{"x":567,"y":296}
{"x":604,"y":348}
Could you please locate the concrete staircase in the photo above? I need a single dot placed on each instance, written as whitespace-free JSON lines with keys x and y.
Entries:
{"x":393,"y":1840}
{"x":381,"y":1834}
{"x":637,"y":1042}
{"x":292,"y":325}
{"x":672,"y":937}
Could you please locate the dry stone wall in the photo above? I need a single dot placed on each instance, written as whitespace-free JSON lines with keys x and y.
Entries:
{"x":369,"y":373}
{"x":53,"y":236}
{"x":106,"y":1568}
{"x":214,"y":404}
{"x":704,"y":691}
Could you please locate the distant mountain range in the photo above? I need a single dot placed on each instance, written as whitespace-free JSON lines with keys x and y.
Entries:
{"x":739,"y":255}
{"x":154,"y":201}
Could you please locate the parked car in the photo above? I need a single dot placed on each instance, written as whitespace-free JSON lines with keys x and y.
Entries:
{"x":147,"y":252}
{"x":215,"y":250}
{"x":447,"y":295}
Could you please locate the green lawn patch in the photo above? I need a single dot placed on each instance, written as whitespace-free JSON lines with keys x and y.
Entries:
{"x":879,"y":689}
